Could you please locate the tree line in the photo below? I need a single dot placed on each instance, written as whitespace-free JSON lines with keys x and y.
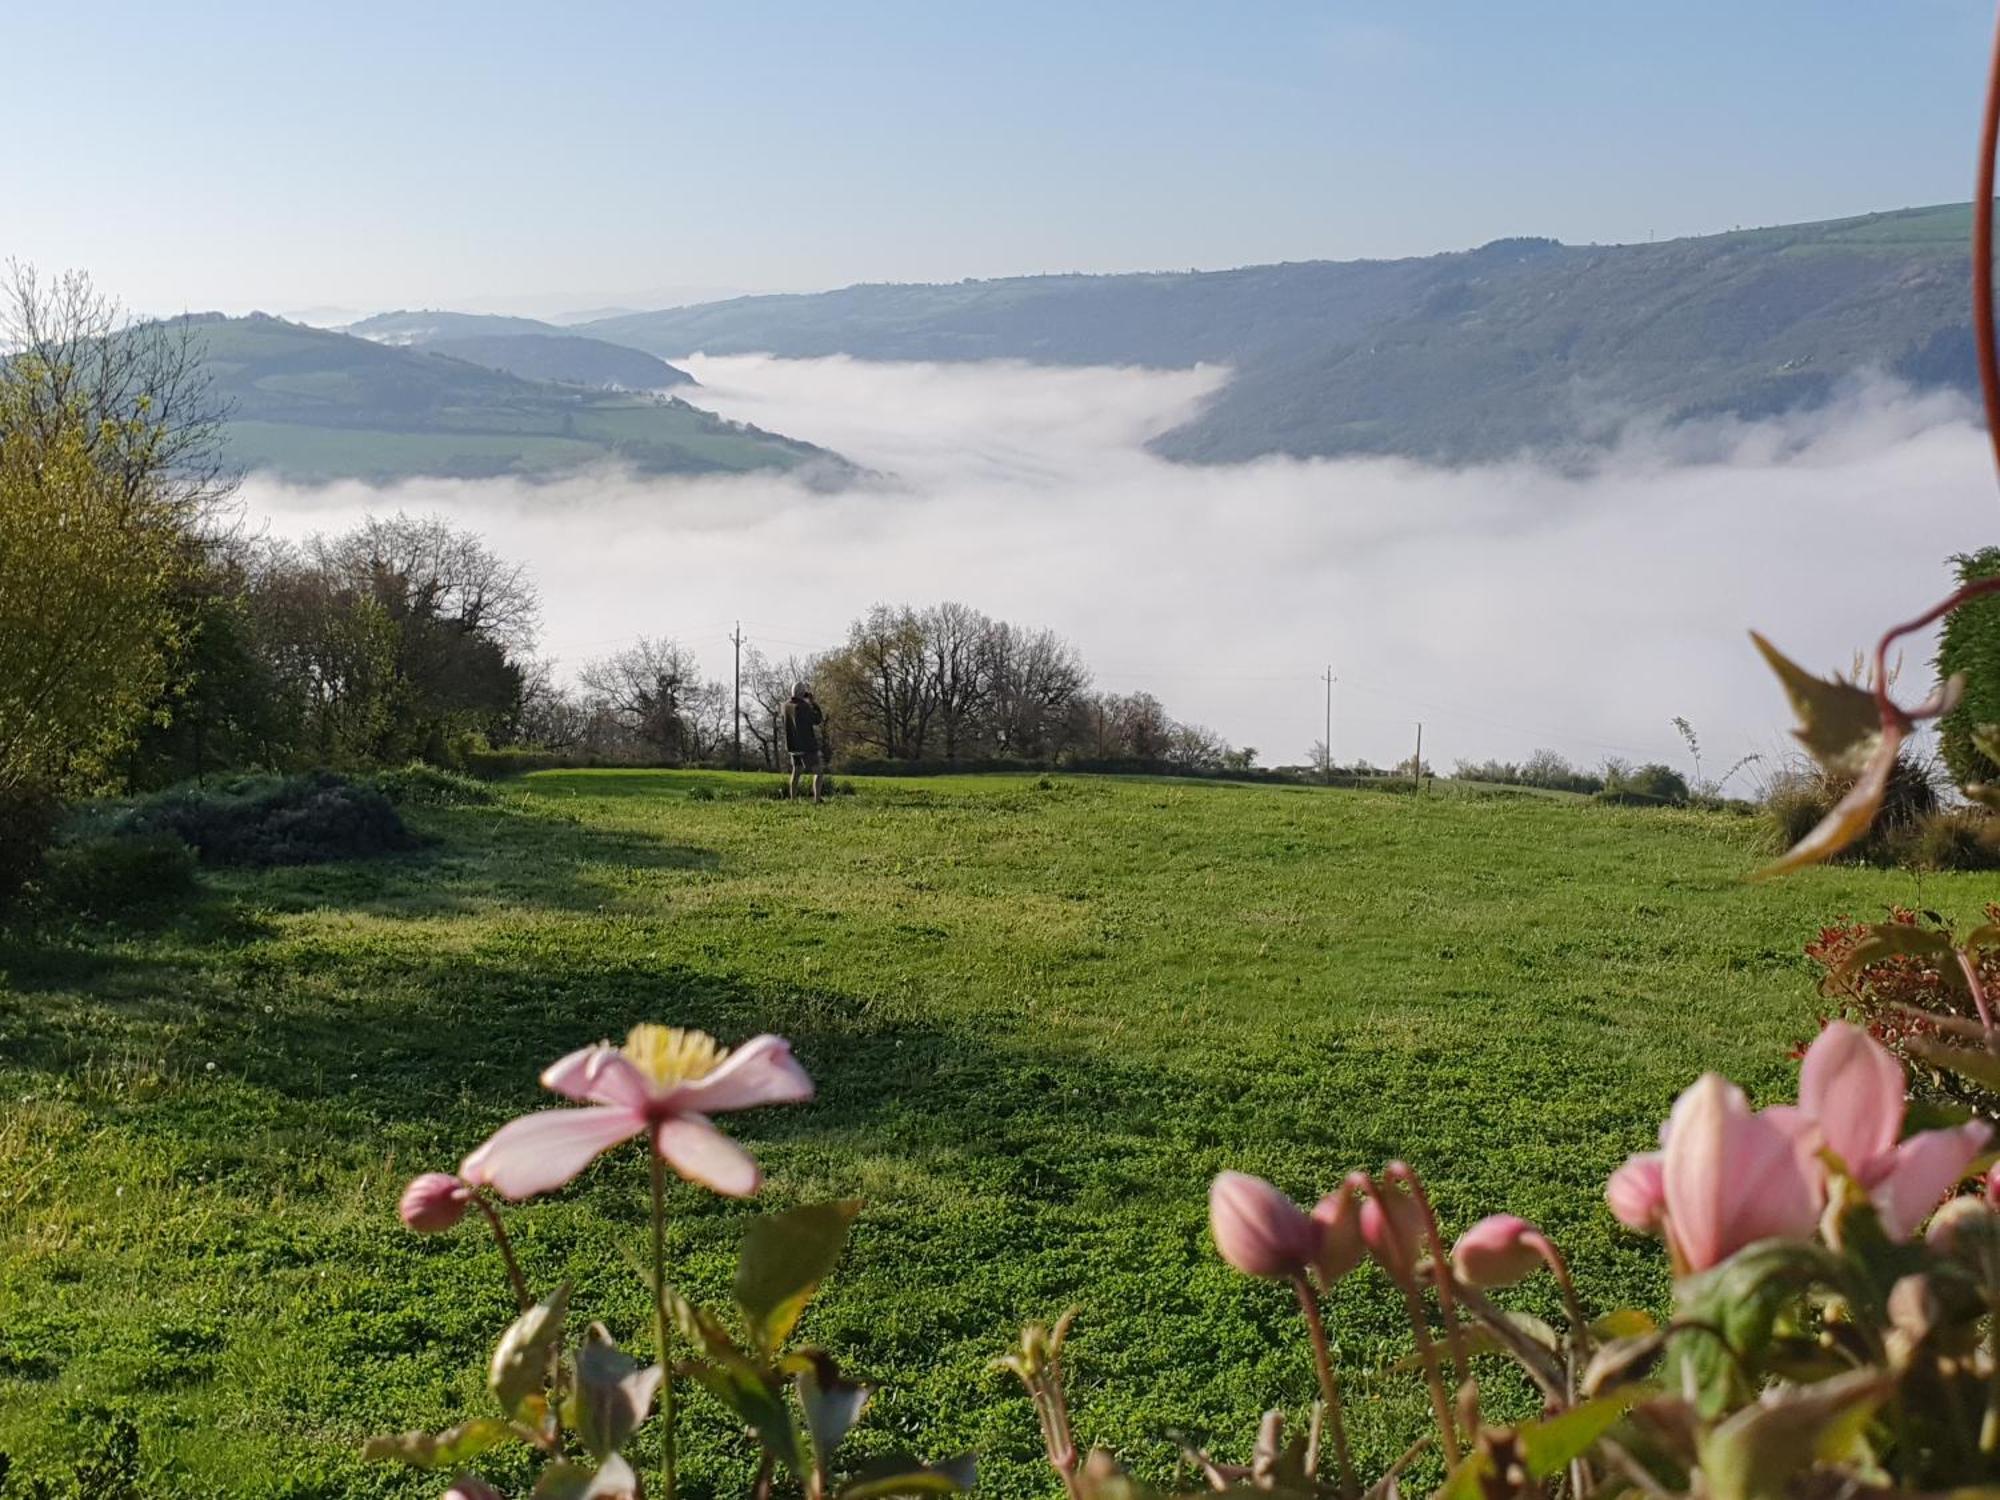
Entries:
{"x":943,"y":684}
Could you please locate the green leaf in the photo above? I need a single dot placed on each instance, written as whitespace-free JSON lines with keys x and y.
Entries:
{"x":1840,"y":723}
{"x":441,"y":1450}
{"x":1741,"y":1299}
{"x":750,"y":1394}
{"x":905,"y":1476}
{"x":1550,"y":1445}
{"x":1469,"y":1480}
{"x":521,"y":1359}
{"x":1623,"y":1323}
{"x":1757,"y":1452}
{"x":613,"y":1394}
{"x":785,"y":1256}
{"x":832,"y":1405}
{"x":1974,"y":1064}
{"x":563,"y":1480}
{"x":702,"y":1329}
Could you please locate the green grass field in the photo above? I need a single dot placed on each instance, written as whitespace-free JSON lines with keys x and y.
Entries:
{"x":1041,"y":1016}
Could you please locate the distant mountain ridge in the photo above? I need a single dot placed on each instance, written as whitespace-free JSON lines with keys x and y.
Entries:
{"x":1520,"y":345}
{"x":312,"y":405}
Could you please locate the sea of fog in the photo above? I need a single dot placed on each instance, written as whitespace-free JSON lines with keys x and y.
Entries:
{"x":1506,"y":606}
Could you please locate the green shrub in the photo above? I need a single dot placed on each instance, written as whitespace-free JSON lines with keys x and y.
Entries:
{"x":419,"y":785}
{"x":1953,"y":838}
{"x":1970,"y":643}
{"x":1652,"y":785}
{"x":27,"y":825}
{"x":107,"y":877}
{"x":1798,"y":800}
{"x":297,"y":820}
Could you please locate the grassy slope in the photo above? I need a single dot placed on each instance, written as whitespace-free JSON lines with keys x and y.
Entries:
{"x":312,"y":405}
{"x":1040,"y":1018}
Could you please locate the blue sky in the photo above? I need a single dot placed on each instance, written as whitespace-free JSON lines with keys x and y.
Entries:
{"x":548,"y":157}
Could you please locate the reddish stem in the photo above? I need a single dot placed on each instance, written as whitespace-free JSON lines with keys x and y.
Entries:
{"x":1329,"y":1381}
{"x":522,"y":1296}
{"x":1970,"y":969}
{"x":1982,"y":252}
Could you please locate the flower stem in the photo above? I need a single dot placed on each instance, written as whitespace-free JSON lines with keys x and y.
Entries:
{"x":1329,"y":1380}
{"x":524,"y":1298}
{"x":660,"y":1323}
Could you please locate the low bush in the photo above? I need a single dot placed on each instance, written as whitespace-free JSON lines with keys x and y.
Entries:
{"x":296,"y":820}
{"x":1651,"y":785}
{"x":108,"y":877}
{"x":1797,"y":800}
{"x":27,"y":825}
{"x":1952,"y":838}
{"x":419,"y":785}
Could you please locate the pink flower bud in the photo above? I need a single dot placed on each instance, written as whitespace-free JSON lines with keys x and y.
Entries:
{"x":434,"y":1201}
{"x":1637,"y":1193}
{"x":1498,"y":1251}
{"x":1397,"y":1240}
{"x":472,"y":1487}
{"x":1258,"y":1229}
{"x":1338,"y":1216}
{"x":1993,"y":1184}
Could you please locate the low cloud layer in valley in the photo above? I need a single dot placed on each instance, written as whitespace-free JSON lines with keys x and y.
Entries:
{"x":1507,"y":606}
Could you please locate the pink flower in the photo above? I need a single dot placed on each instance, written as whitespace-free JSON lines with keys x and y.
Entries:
{"x":1993,"y":1184}
{"x":1637,"y":1193}
{"x":1852,"y":1089}
{"x":1498,"y":1251}
{"x":1258,"y":1229}
{"x":1341,"y":1247}
{"x":1730,"y":1177}
{"x":471,"y":1487}
{"x":1398,"y":1238}
{"x":434,"y":1201}
{"x":665,"y":1082}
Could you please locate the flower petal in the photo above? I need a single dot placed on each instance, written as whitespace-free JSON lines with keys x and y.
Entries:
{"x":598,"y":1075}
{"x":761,"y":1071}
{"x":542,"y":1151}
{"x":1637,"y":1194}
{"x":701,"y":1153}
{"x":1730,"y":1177}
{"x":1923,"y":1170}
{"x":1854,"y":1089}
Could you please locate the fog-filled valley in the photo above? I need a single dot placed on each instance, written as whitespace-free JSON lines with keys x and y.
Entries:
{"x":1473,"y":599}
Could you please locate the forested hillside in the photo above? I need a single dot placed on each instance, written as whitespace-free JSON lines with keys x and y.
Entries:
{"x":1523,"y":343}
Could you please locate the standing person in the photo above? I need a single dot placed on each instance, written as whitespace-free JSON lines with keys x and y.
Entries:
{"x":805,"y":740}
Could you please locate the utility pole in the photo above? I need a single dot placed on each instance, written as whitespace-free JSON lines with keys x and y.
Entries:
{"x":736,"y":640}
{"x":1328,"y":742}
{"x":1417,"y":765}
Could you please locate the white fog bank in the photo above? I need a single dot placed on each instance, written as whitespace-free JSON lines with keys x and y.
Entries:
{"x":1507,"y":606}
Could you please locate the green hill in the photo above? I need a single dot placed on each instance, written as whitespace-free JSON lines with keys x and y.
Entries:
{"x":311,"y":405}
{"x":565,"y":359}
{"x":1521,"y":344}
{"x":427,"y":325}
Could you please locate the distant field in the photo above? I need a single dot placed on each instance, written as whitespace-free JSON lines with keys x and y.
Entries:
{"x":1041,"y":1017}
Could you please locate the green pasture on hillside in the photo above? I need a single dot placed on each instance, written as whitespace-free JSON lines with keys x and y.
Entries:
{"x":1042,"y":1013}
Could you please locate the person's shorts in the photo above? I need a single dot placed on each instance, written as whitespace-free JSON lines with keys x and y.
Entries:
{"x":805,"y":760}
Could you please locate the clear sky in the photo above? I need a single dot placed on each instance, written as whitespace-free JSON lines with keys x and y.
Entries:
{"x":370,"y":155}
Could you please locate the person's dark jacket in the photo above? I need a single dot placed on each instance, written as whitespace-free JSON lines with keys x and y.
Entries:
{"x":802,"y":726}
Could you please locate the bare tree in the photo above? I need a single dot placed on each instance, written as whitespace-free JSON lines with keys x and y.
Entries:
{"x":150,"y":419}
{"x":649,"y":686}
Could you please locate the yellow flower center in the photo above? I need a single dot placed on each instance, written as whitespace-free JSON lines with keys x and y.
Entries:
{"x":669,"y":1055}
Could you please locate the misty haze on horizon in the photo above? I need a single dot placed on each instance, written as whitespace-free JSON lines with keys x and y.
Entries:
{"x":1469,"y":598}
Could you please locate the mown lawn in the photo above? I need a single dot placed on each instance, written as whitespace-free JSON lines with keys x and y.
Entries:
{"x":1041,"y":1016}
